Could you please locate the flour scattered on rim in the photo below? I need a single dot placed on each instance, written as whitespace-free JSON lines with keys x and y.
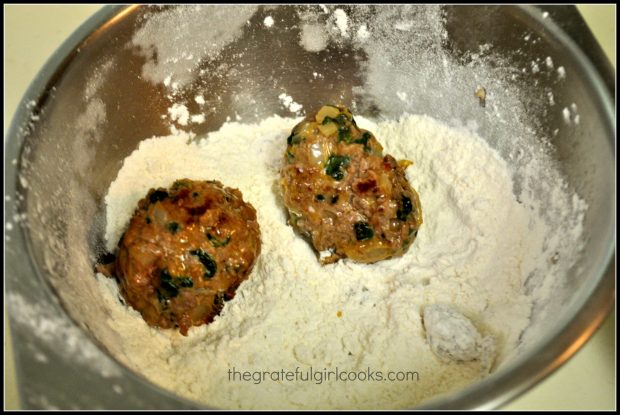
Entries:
{"x":342,"y":22}
{"x":362,"y":33}
{"x":288,"y":102}
{"x":179,"y":113}
{"x":313,"y":37}
{"x":205,"y":30}
{"x":561,"y":72}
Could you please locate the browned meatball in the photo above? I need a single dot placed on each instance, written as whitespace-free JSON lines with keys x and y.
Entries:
{"x":342,"y":192}
{"x":186,"y":251}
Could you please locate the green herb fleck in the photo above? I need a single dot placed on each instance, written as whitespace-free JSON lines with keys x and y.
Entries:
{"x":364,"y":141}
{"x":218,"y":301}
{"x":363,"y":231}
{"x":171,"y":285}
{"x":294,"y":139}
{"x":218,"y":242}
{"x":334,"y":199}
{"x":184,"y":282}
{"x":341,"y":119}
{"x":334,"y":166}
{"x":207,"y":262}
{"x":173,"y":227}
{"x":405,"y":209}
{"x":320,"y":198}
{"x":157,"y":196}
{"x":148,"y":220}
{"x":344,"y":134}
{"x":162,"y":298}
{"x":181,"y":183}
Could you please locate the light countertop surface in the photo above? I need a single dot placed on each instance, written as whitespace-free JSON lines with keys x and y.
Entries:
{"x":32,"y":34}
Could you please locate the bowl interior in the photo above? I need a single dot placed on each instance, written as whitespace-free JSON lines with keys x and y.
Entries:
{"x":113,"y":91}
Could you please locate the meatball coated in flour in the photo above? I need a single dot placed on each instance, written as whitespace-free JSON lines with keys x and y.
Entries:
{"x":452,"y":336}
{"x":343,"y":194}
{"x":185,"y":252}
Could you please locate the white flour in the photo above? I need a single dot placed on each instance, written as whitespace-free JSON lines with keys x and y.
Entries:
{"x":342,"y":21}
{"x":288,"y":102}
{"x":475,"y":249}
{"x":179,"y":113}
{"x":179,"y":38}
{"x":313,"y":37}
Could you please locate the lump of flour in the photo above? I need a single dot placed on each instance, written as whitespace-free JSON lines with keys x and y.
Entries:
{"x":452,"y":336}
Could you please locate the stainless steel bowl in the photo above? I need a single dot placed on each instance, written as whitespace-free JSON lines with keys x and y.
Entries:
{"x":65,"y":159}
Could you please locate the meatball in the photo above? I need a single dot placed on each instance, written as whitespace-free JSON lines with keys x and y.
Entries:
{"x":343,"y":194}
{"x":185,"y":252}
